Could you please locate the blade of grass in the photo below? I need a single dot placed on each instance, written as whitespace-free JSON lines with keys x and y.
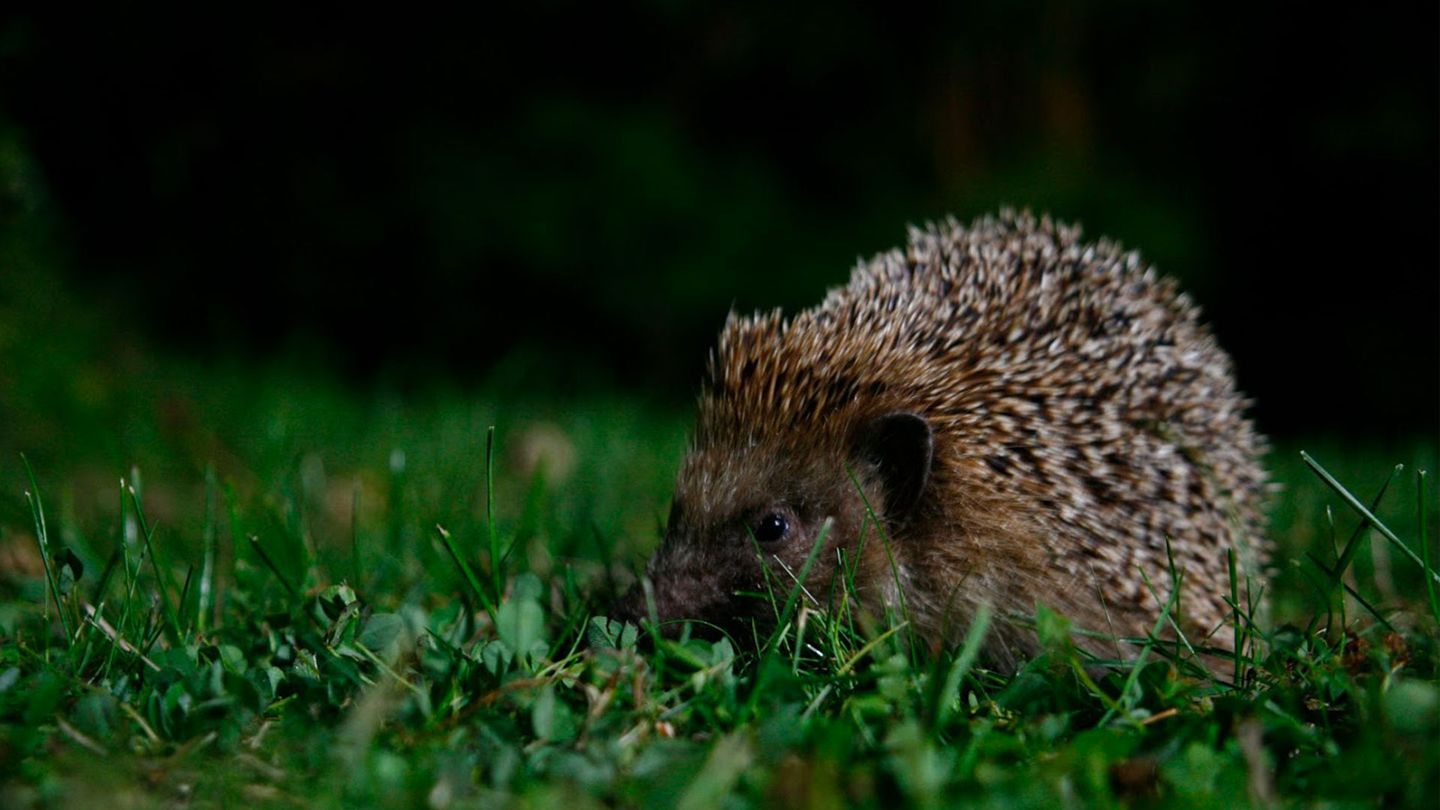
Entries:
{"x":42,"y":539}
{"x":163,"y":583}
{"x":296,"y":599}
{"x":1355,"y":504}
{"x":782,"y":626}
{"x":466,"y":572}
{"x":205,"y":600}
{"x":132,"y":578}
{"x":1352,"y":546}
{"x":1330,"y":592}
{"x":652,"y":626}
{"x":1333,"y":575}
{"x":1127,"y":690}
{"x":869,"y":647}
{"x":496,"y":574}
{"x":111,"y":563}
{"x":799,"y":586}
{"x":969,"y":651}
{"x":889,"y":556}
{"x":1322,"y":597}
{"x":1176,"y":618}
{"x":1423,"y":508}
{"x":185,"y":595}
{"x":275,"y":569}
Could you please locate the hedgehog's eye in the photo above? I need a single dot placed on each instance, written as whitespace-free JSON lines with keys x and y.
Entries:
{"x":772,"y":528}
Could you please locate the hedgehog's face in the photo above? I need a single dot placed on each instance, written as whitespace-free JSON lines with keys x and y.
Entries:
{"x":745,"y":520}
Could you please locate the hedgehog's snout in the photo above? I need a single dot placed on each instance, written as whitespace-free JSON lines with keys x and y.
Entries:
{"x":682,"y":586}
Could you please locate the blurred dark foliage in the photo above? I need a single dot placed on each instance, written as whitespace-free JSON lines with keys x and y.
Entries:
{"x":593,"y":186}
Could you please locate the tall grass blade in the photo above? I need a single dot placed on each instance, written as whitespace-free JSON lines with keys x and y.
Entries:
{"x":275,"y":569}
{"x":111,"y":563}
{"x":496,"y":573}
{"x":42,"y":539}
{"x":1352,"y":546}
{"x":163,"y":584}
{"x":1127,"y":691}
{"x":793,"y":598}
{"x":1334,"y":577}
{"x":1423,"y":508}
{"x":969,"y":652}
{"x":466,"y":572}
{"x":1355,"y":504}
{"x":205,"y":596}
{"x":889,"y":556}
{"x":189,"y":620}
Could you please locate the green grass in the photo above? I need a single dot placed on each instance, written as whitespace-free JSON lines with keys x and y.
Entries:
{"x":222,"y":587}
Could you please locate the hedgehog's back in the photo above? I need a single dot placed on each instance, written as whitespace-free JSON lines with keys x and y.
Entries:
{"x":1066,"y":383}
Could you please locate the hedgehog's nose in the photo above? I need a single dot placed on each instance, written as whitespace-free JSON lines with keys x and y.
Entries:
{"x":631,"y":606}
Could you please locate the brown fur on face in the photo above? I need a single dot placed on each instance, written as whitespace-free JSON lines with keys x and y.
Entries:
{"x":710,"y":552}
{"x":1035,"y":420}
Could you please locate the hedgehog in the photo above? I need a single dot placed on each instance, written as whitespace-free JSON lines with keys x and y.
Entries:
{"x":997,"y":415}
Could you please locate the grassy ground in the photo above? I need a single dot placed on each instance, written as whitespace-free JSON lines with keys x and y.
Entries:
{"x":221,"y":587}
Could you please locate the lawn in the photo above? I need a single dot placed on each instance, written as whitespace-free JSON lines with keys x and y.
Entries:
{"x":225,"y":585}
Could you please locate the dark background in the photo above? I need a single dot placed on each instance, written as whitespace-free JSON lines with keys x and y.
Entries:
{"x":585,"y":189}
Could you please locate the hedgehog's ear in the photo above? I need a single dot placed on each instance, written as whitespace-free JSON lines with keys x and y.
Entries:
{"x":900,"y":446}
